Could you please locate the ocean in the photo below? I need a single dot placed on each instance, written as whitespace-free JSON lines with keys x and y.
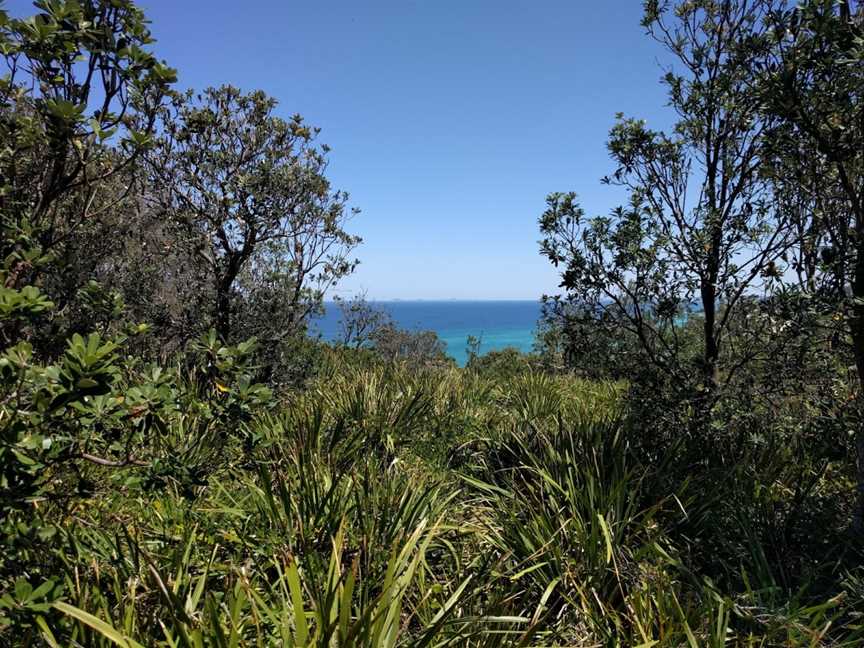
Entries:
{"x":499,"y":324}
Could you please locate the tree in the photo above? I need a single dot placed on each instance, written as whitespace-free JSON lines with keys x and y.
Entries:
{"x":359,"y":320}
{"x":249,"y":189}
{"x":149,"y":261}
{"x":79,"y":103}
{"x":700,"y":229}
{"x":416,"y":348}
{"x":816,"y":86}
{"x":569,"y":338}
{"x":77,"y":72}
{"x":501,"y":364}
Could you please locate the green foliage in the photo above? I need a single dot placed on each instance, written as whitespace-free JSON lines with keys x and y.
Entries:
{"x":568,"y":512}
{"x":359,"y":321}
{"x":700,"y":226}
{"x":417,"y":348}
{"x":248,"y":190}
{"x":281,"y":491}
{"x":77,"y":72}
{"x":326,"y":520}
{"x":365,"y":327}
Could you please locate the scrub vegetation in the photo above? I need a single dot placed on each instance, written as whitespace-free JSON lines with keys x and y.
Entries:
{"x":680,"y":462}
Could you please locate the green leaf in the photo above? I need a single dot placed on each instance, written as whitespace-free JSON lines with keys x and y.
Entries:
{"x":607,"y":536}
{"x":301,"y":627}
{"x":102,"y":627}
{"x":22,"y":589}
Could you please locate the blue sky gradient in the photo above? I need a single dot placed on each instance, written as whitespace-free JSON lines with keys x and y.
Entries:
{"x":449,"y":120}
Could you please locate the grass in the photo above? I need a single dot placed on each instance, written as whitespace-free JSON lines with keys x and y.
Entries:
{"x":388,"y":507}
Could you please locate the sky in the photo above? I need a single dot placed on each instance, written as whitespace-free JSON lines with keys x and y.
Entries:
{"x":449,"y":120}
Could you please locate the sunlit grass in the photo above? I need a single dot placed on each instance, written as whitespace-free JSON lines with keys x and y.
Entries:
{"x":388,"y":507}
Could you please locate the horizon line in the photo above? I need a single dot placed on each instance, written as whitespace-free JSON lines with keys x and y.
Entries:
{"x":444,"y":299}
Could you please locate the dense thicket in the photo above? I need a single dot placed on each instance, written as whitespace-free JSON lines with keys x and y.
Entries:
{"x":676,"y":464}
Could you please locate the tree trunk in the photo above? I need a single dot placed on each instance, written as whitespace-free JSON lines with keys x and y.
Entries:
{"x":224,"y":281}
{"x":708,"y":287}
{"x":710,"y":349}
{"x":222,"y":314}
{"x":856,"y":325}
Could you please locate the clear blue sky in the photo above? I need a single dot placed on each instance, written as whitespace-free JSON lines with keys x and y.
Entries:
{"x":450,"y":120}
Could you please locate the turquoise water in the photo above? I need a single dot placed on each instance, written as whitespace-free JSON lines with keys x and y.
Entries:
{"x":500,"y":324}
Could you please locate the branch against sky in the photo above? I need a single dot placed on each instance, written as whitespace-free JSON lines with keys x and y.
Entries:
{"x":700,"y":226}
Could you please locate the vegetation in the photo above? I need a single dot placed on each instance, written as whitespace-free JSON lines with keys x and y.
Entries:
{"x":679,"y":463}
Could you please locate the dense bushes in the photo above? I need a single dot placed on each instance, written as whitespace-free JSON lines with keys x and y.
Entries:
{"x":386,"y":507}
